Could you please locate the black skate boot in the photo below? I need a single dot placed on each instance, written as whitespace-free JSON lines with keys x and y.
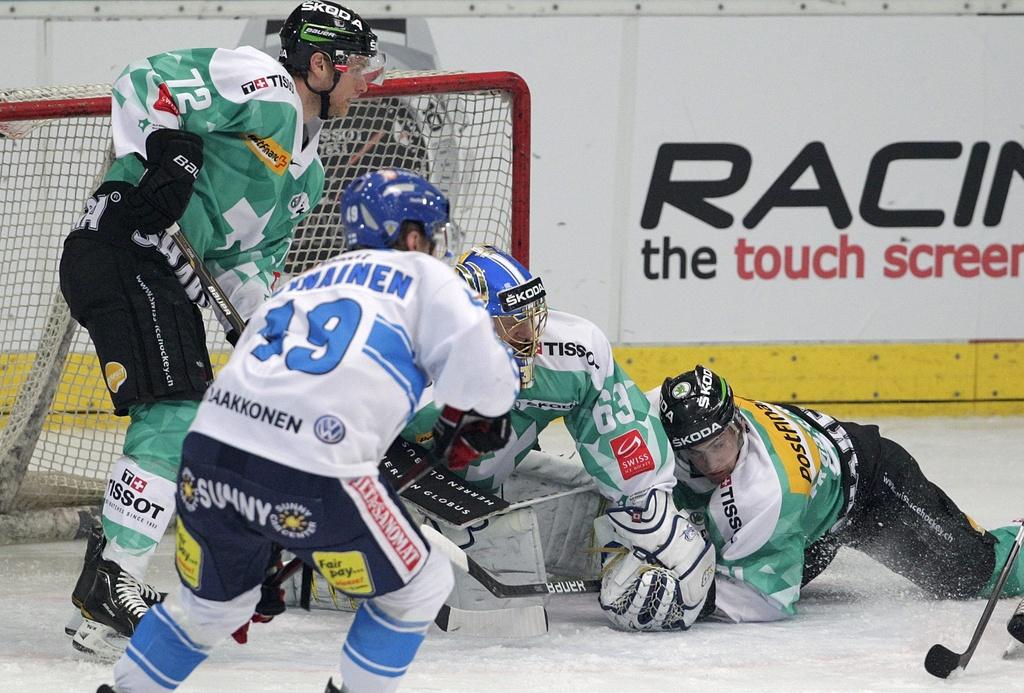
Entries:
{"x":112,"y":610}
{"x":1015,"y":627}
{"x":93,"y":554}
{"x":116,"y":599}
{"x":1016,"y":624}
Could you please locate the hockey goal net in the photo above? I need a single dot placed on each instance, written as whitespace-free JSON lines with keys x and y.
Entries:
{"x":469,"y":133}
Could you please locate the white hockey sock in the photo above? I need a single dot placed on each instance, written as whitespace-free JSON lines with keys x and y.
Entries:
{"x":388,"y":630}
{"x":137,"y":507}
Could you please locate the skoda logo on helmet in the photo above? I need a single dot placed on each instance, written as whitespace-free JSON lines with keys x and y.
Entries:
{"x":681,"y":389}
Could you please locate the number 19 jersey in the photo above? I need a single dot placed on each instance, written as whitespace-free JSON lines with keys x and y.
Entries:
{"x":331,"y":368}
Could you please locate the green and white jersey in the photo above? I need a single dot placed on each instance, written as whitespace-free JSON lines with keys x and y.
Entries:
{"x":618,"y":435}
{"x":261,"y":174}
{"x":785,"y":492}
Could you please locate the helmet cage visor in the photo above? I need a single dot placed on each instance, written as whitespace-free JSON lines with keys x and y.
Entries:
{"x":446,"y":241}
{"x":522,"y":329}
{"x":369,"y":67}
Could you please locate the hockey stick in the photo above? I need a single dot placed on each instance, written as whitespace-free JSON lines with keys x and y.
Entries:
{"x":517,"y":622}
{"x":941,"y":661}
{"x":209,"y":285}
{"x":463,"y":562}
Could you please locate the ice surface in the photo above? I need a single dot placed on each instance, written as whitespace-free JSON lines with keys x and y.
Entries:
{"x":860,"y":627}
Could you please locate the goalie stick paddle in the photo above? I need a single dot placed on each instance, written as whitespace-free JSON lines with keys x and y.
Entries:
{"x":210,"y":286}
{"x":942,"y":661}
{"x":463,"y":562}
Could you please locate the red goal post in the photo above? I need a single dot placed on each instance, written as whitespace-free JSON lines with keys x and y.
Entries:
{"x":469,"y":133}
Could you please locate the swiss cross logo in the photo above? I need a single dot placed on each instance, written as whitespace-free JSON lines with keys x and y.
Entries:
{"x":632,"y":454}
{"x":136,"y":483}
{"x":391,"y":525}
{"x":165,"y":102}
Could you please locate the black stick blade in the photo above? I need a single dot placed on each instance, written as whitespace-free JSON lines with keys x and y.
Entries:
{"x":941,"y":661}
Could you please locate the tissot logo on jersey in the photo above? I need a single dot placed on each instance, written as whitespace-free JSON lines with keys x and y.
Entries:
{"x":268,"y":82}
{"x":569,"y":349}
{"x":632,"y":454}
{"x":729,"y":508}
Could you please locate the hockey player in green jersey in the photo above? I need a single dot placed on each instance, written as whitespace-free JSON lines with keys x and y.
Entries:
{"x":782,"y":488}
{"x":224,"y":143}
{"x":568,"y":371}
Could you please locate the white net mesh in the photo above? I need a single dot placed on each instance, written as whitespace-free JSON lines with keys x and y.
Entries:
{"x":59,"y":436}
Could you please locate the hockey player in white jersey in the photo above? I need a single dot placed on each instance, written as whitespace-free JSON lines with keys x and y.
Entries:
{"x":285,"y":446}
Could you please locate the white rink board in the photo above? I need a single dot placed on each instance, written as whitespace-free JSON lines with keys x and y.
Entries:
{"x":856,"y":85}
{"x":609,"y":91}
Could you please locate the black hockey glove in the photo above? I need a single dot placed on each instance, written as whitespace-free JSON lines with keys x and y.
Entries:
{"x":462,"y":437}
{"x":271,"y":602}
{"x":173,"y":160}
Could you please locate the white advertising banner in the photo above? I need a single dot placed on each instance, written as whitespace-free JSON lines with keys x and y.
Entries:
{"x":727,"y":178}
{"x":826,"y":178}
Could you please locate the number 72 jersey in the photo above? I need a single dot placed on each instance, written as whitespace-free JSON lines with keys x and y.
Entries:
{"x":331,"y":368}
{"x":261,"y":174}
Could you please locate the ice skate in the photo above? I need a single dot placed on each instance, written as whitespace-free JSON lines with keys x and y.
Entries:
{"x":1015,"y":627}
{"x":111,"y":611}
{"x":93,"y":552}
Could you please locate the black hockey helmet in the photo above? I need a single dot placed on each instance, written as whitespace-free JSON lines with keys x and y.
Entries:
{"x":696,"y":406}
{"x":328,"y":28}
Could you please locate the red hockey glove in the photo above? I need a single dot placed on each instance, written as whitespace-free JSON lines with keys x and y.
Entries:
{"x":462,"y":437}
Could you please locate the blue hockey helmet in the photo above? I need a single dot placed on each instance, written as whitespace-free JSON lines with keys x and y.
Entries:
{"x":515,"y":299}
{"x":376,"y":207}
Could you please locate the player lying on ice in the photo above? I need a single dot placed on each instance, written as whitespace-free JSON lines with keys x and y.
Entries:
{"x":342,"y":354}
{"x":782,"y":488}
{"x":567,"y":370}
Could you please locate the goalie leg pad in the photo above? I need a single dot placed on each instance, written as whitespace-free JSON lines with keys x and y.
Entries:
{"x":149,"y":338}
{"x":509,"y":547}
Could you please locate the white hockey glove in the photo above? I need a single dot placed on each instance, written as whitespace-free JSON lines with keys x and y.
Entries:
{"x":664,"y":568}
{"x":166,"y":246}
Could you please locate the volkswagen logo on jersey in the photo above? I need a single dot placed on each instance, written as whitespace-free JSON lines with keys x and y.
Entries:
{"x":187,"y":489}
{"x":292,"y":520}
{"x":329,"y":429}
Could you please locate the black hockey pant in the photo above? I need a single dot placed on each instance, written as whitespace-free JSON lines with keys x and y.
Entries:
{"x":907,"y":524}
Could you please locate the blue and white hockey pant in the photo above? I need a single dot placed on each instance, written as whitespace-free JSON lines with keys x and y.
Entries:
{"x":232,"y":506}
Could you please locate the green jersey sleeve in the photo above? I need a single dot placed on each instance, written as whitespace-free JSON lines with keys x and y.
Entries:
{"x":261,"y":174}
